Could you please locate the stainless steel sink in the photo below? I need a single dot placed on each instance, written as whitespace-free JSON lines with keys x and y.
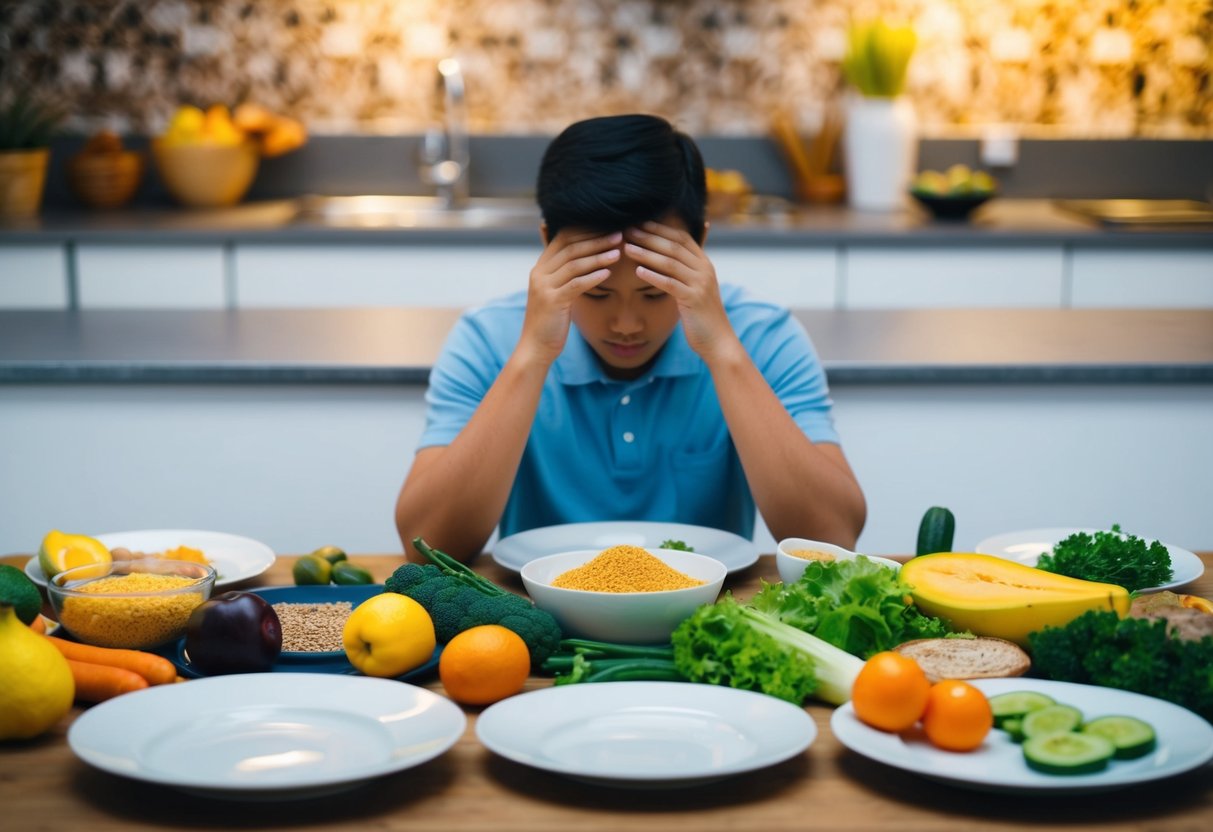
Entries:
{"x":397,"y":211}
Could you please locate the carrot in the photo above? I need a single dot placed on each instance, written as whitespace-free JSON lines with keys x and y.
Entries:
{"x":38,"y":625}
{"x":156,"y":670}
{"x":99,"y":682}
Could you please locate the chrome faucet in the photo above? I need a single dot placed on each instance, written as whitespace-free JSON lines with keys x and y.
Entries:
{"x":444,"y":151}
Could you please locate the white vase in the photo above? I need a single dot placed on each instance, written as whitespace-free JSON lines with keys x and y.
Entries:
{"x":881,"y":146}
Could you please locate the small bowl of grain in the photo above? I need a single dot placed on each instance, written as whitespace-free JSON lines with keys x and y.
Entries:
{"x":794,"y":554}
{"x":624,"y":594}
{"x":135,"y":604}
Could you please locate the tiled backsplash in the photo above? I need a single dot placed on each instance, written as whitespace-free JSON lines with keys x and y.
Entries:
{"x":1090,"y":68}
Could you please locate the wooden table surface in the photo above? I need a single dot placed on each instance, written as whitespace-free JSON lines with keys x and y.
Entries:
{"x":44,"y":786}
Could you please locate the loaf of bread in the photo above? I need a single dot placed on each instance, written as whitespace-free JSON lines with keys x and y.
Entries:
{"x":966,"y":658}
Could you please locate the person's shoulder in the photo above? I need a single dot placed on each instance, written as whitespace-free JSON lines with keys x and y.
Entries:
{"x":748,"y":311}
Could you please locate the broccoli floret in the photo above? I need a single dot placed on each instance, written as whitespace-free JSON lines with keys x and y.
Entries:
{"x":448,"y":608}
{"x":537,"y":628}
{"x":1135,"y":654}
{"x":410,"y":575}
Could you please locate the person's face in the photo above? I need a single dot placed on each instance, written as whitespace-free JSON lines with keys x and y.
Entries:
{"x":625,"y":320}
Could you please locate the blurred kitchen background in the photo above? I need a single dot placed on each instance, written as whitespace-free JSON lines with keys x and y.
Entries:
{"x":1089,"y":69}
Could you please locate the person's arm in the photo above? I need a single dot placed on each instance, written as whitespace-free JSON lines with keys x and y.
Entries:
{"x":802,"y":488}
{"x":454,"y":495}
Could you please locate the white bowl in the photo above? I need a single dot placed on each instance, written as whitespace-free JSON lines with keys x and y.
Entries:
{"x":627,"y":617}
{"x":792,"y":567}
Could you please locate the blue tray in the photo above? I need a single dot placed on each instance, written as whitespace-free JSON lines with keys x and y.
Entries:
{"x":297,"y":662}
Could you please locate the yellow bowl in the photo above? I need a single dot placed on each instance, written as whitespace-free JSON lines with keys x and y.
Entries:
{"x":206,"y":175}
{"x":134,"y":604}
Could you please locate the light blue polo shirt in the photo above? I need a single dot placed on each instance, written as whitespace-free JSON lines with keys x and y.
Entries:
{"x":653,"y":448}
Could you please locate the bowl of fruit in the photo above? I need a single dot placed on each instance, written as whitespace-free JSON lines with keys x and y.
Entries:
{"x":953,"y":194}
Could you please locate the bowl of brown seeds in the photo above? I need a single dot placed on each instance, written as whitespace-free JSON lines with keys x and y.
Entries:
{"x":313,"y":617}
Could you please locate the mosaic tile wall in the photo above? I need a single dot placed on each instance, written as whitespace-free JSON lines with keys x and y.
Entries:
{"x":1055,"y":67}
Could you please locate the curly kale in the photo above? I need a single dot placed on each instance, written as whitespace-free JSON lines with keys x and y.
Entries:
{"x":1135,"y":654}
{"x":1110,"y":558}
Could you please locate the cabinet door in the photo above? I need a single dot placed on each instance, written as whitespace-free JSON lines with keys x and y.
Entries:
{"x":381,"y":275}
{"x":147,"y":276}
{"x":33,"y":277}
{"x":801,"y":278}
{"x":1167,"y":279}
{"x":961,"y":276}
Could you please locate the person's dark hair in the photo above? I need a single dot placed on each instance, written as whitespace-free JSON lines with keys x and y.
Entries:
{"x":609,"y":173}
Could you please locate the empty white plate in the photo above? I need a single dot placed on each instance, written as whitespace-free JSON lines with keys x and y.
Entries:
{"x":645,"y":734}
{"x":267,"y":735}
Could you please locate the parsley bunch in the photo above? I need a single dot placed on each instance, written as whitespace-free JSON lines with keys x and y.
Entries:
{"x":1110,"y":558}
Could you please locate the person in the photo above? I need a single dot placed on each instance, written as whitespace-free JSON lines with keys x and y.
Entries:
{"x":626,"y":383}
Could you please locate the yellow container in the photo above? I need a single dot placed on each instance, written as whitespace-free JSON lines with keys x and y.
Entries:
{"x":206,"y":175}
{"x":22,"y":180}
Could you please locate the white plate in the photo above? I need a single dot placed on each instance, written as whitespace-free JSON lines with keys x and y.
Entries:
{"x":1185,"y":741}
{"x":267,"y":735}
{"x":515,"y":551}
{"x":235,"y":558}
{"x":645,"y":734}
{"x":1026,"y":547}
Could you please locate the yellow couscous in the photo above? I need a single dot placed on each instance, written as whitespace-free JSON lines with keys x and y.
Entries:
{"x":625,"y":569}
{"x":113,"y":617}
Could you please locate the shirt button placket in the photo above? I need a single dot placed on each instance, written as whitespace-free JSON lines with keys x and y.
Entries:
{"x":627,"y":430}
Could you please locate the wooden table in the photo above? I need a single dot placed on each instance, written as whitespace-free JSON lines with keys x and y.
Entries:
{"x":44,"y":786}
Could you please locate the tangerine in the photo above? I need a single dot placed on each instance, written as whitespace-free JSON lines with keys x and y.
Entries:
{"x":957,"y":717}
{"x":484,"y":664}
{"x":890,"y":692}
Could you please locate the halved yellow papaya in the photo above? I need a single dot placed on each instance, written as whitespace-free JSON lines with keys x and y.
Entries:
{"x":997,"y":597}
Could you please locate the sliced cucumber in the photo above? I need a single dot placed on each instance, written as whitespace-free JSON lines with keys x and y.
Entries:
{"x":1130,"y":737}
{"x":1068,"y":753}
{"x":1016,"y":704}
{"x":1051,"y":719}
{"x":935,"y":531}
{"x":1014,"y":728}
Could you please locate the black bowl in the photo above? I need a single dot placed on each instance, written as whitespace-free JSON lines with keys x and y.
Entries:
{"x":957,"y":207}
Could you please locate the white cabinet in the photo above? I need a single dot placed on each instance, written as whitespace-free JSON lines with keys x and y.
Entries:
{"x":151,"y":276}
{"x":952,"y":276}
{"x":33,"y":277}
{"x":378,"y":275}
{"x":804,"y":278}
{"x":1149,"y":278}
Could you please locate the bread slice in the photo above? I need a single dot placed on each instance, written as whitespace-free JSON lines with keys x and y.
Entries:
{"x":966,"y":658}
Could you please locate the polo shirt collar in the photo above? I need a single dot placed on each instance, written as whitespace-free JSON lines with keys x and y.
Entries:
{"x":578,"y":364}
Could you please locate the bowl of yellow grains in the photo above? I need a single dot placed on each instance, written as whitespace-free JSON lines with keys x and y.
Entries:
{"x":625,"y":594}
{"x":135,"y":604}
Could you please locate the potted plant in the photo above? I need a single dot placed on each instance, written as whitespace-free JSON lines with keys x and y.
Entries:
{"x":880,"y":139}
{"x":26,"y":127}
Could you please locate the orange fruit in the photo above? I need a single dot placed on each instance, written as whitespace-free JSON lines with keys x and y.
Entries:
{"x":890,"y":692}
{"x":484,"y":664}
{"x":957,"y":717}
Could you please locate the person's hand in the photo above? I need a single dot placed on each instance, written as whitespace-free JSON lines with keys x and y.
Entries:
{"x":670,"y":260}
{"x":571,"y":264}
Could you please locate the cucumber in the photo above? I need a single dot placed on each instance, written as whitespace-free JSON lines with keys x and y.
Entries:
{"x":1130,"y":737}
{"x":1068,"y":753}
{"x":1014,"y":728}
{"x":1016,"y":705}
{"x":936,"y":531}
{"x":1051,"y":719}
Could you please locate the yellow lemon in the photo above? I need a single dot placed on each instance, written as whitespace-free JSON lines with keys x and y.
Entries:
{"x":38,"y":688}
{"x":60,"y":552}
{"x":388,"y":635}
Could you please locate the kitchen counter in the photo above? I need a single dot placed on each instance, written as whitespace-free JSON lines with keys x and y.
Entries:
{"x":1001,"y":222}
{"x":398,"y":346}
{"x":44,"y":786}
